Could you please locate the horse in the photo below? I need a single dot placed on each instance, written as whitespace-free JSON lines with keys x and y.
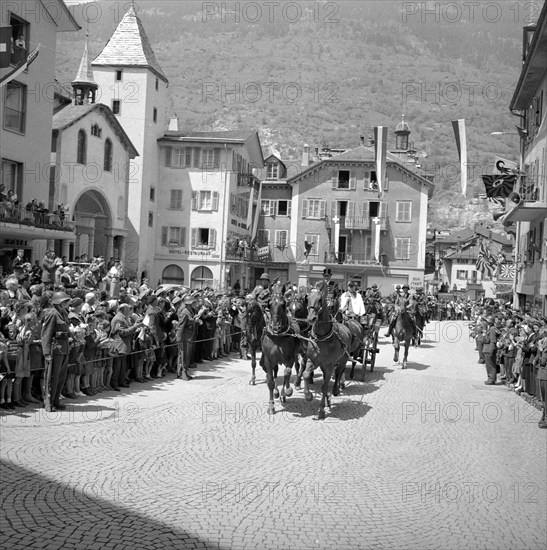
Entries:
{"x":280,"y":345}
{"x":419,"y":319}
{"x":254,"y":326}
{"x":298,"y":310}
{"x":328,"y":348}
{"x":402,"y":332}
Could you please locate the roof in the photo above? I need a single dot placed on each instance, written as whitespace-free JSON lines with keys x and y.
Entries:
{"x":63,"y":18}
{"x":534,"y":66}
{"x":85,"y":72}
{"x":129,"y":47}
{"x":402,"y":126}
{"x":222,"y":135}
{"x":361,"y":154}
{"x":73,"y":113}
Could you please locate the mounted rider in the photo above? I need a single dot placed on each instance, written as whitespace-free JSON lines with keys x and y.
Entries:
{"x":402,"y":301}
{"x":373,"y":297}
{"x":420,"y":299}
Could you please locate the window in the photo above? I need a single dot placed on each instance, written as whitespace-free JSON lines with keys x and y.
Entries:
{"x":119,"y":73}
{"x":204,"y":237}
{"x":157,"y":84}
{"x":461,"y":274}
{"x":313,"y":244}
{"x":173,"y":274}
{"x":20,"y":38}
{"x":116,"y":106}
{"x":205,"y":200}
{"x":96,"y":130}
{"x":155,"y":115}
{"x":108,"y":156}
{"x":173,"y":236}
{"x":263,"y":237}
{"x":81,"y":153}
{"x":343,"y":179}
{"x":281,"y":237}
{"x":176,"y":199}
{"x":403,"y":212}
{"x":266,"y":208}
{"x":150,"y":219}
{"x":210,"y":158}
{"x":12,"y":176}
{"x":272,"y":171}
{"x":284,"y":208}
{"x":15,"y":104}
{"x":313,"y":208}
{"x":402,"y":248}
{"x":152,"y":194}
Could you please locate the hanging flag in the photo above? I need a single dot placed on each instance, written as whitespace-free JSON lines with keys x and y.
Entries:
{"x":461,"y":144}
{"x":380,"y":150}
{"x":486,"y":261}
{"x":504,"y":166}
{"x":5,"y":47}
{"x":20,"y":67}
{"x":507,"y":271}
{"x":499,"y":185}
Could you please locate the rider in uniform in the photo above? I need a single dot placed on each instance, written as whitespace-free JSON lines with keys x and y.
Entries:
{"x":421,"y":302}
{"x":403,"y":301}
{"x":55,"y":334}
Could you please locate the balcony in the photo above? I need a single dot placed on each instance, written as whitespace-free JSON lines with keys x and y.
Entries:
{"x":17,"y":215}
{"x":349,"y":258}
{"x":239,"y":256}
{"x":356,"y":223}
{"x":352,"y":223}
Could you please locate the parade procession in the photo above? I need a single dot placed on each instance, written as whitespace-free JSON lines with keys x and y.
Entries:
{"x":273,"y":275}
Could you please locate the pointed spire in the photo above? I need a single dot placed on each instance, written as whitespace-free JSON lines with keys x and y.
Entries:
{"x":129,"y":47}
{"x":85,"y":72}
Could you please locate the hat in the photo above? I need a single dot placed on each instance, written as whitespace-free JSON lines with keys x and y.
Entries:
{"x":327,"y":271}
{"x":405,"y":286}
{"x":374,"y":286}
{"x":75,"y":302}
{"x":351,"y":284}
{"x":59,"y":297}
{"x":265,"y":276}
{"x":398,"y":287}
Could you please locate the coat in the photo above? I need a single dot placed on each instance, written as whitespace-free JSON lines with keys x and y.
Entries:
{"x":55,"y":332}
{"x":122,"y":331}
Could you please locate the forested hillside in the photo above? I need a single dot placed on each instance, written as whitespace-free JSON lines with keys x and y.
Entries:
{"x":324,"y":73}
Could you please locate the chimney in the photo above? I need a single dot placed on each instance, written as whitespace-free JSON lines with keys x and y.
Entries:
{"x":174,"y":124}
{"x":362,"y":140}
{"x":306,"y":155}
{"x":370,"y":140}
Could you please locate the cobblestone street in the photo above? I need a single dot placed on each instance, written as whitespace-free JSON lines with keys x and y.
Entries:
{"x":425,"y":458}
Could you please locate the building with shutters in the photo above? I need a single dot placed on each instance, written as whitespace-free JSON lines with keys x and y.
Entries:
{"x":208,"y":202}
{"x":358,"y":231}
{"x":26,"y":110}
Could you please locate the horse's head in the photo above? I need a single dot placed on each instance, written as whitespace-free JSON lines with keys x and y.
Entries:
{"x":297,"y":306}
{"x":278,"y":310}
{"x":321,"y":304}
{"x":315,"y":304}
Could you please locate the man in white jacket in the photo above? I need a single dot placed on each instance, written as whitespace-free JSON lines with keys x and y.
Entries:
{"x":351,"y":303}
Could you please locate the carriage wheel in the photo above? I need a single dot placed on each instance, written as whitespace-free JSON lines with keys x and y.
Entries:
{"x":373,"y":351}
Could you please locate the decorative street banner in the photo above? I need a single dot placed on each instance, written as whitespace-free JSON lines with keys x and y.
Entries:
{"x":499,"y":185}
{"x":263,"y":252}
{"x":461,"y":144}
{"x":380,"y":150}
{"x":486,"y":260}
{"x":504,"y":166}
{"x":507,"y":271}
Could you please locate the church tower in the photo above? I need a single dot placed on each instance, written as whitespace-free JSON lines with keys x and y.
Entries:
{"x":132,"y":83}
{"x":401,"y":135}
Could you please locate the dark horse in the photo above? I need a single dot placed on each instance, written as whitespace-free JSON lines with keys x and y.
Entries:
{"x":254,"y":326}
{"x":280,"y":345}
{"x":402,"y":332}
{"x":298,"y":310}
{"x":328,"y":348}
{"x":419,"y":319}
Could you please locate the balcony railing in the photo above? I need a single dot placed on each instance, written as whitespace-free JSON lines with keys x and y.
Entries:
{"x":529,"y":189}
{"x":349,"y":258}
{"x":34,"y":218}
{"x":239,"y":256}
{"x":347,"y":222}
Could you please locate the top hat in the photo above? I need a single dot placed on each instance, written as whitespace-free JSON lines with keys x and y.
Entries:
{"x":327,"y":271}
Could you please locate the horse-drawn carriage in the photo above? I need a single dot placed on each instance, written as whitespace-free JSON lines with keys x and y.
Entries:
{"x":371,"y":323}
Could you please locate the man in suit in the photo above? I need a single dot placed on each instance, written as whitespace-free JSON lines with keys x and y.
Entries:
{"x":55,"y":334}
{"x":186,"y":333}
{"x":489,"y":349}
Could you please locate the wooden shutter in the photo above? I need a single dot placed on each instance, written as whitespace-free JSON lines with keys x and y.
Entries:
{"x":164,"y":233}
{"x":305,"y":208}
{"x":197,"y":159}
{"x":366,"y":180}
{"x":212,"y":238}
{"x":383,"y":210}
{"x":386,"y":183}
{"x":352,"y":180}
{"x":214,"y":203}
{"x":289,"y":208}
{"x":194,"y":200}
{"x":366,"y":209}
{"x":334,"y":179}
{"x":194,"y":237}
{"x":351,"y":209}
{"x":183,"y":236}
{"x":216,"y":157}
{"x":168,"y":156}
{"x":322,"y":208}
{"x":332,"y":209}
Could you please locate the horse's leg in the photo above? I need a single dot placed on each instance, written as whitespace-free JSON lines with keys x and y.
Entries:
{"x":300,"y":366}
{"x":396,"y":347}
{"x":270,"y":377}
{"x":325,"y":398}
{"x":253,"y":366}
{"x":339,"y":376}
{"x":287,"y":390}
{"x":405,"y":357}
{"x":307,"y":375}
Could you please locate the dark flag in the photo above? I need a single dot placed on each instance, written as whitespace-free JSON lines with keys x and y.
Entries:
{"x":5,"y":47}
{"x":380,"y":150}
{"x":461,"y":145}
{"x":499,"y":185}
